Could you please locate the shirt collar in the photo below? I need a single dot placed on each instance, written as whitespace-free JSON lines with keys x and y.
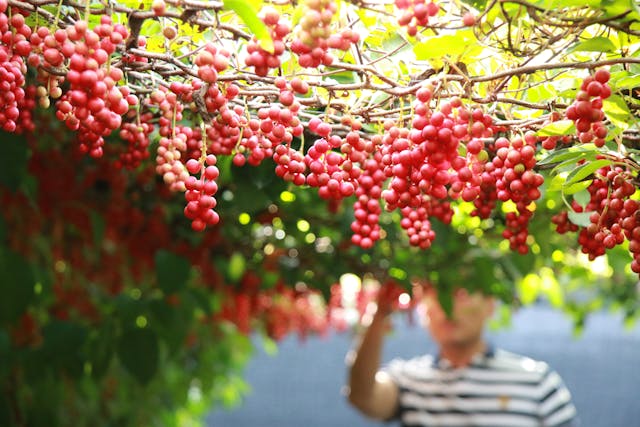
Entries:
{"x":488,"y":353}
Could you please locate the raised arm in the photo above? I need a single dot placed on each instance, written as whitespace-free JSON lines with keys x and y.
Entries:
{"x":371,"y":390}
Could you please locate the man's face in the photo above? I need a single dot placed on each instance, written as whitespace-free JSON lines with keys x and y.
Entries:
{"x":466,"y":324}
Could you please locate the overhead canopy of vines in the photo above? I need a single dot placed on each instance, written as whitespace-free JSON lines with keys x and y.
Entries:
{"x":171,"y":166}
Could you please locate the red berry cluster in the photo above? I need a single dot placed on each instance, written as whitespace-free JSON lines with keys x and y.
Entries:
{"x":326,"y":171}
{"x":367,"y":209}
{"x":26,"y":106}
{"x":611,"y":206}
{"x":275,"y":125}
{"x":136,"y":134}
{"x":418,"y":227}
{"x":290,"y":164}
{"x":260,"y":59}
{"x":562,"y":222}
{"x":416,"y":13}
{"x":224,"y":130}
{"x":200,"y":193}
{"x":516,"y":181}
{"x":14,"y":34}
{"x":93,"y":105}
{"x":587,"y":112}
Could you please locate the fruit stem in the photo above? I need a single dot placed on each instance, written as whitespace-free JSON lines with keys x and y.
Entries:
{"x":203,"y":154}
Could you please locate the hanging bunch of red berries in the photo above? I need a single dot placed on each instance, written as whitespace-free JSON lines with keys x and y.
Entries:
{"x":587,"y":112}
{"x":257,"y":57}
{"x":15,"y":45}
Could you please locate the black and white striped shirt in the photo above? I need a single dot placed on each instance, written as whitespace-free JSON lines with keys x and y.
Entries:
{"x":498,"y":389}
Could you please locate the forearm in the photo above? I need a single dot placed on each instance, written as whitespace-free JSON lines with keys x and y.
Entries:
{"x":365,"y":362}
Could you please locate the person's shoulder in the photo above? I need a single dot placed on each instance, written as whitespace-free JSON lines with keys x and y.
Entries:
{"x":509,"y":361}
{"x":415,"y":366}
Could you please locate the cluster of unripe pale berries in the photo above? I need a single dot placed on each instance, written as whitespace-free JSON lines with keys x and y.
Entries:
{"x":416,"y":13}
{"x":313,"y":37}
{"x":168,"y":161}
{"x":14,"y":33}
{"x":200,"y":193}
{"x":257,"y":57}
{"x":587,"y":112}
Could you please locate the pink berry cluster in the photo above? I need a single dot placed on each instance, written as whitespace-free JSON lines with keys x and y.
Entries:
{"x":210,"y":61}
{"x":313,"y":38}
{"x":273,"y":126}
{"x":587,"y":112}
{"x":136,"y":134}
{"x":260,"y":59}
{"x":172,"y":142}
{"x":415,"y":13}
{"x":200,"y":193}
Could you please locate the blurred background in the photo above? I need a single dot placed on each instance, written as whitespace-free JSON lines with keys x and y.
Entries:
{"x":300,"y":383}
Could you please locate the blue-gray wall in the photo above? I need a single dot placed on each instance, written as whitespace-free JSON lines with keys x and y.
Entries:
{"x":301,"y":385}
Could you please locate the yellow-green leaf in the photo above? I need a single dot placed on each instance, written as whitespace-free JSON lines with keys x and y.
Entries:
{"x":559,"y":128}
{"x":249,"y":15}
{"x":596,"y":44}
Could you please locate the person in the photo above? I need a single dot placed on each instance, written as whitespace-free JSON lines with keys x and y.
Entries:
{"x":469,"y":383}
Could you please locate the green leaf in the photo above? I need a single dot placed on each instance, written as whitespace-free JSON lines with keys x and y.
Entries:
{"x":582,"y":197}
{"x":580,"y":218}
{"x":562,"y":4}
{"x":269,"y":345}
{"x":97,"y":227}
{"x":16,"y":285}
{"x":625,"y":82}
{"x":596,"y":44}
{"x":529,"y":288}
{"x":619,"y":7}
{"x":138,"y":352}
{"x":172,"y":271}
{"x":5,"y":347}
{"x":573,"y":154}
{"x":62,"y":347}
{"x":559,"y":128}
{"x":479,"y":5}
{"x":101,"y":348}
{"x":451,"y":45}
{"x":576,"y":187}
{"x":13,"y":161}
{"x":236,"y":267}
{"x":585,"y":170}
{"x":249,"y":15}
{"x":617,"y":111}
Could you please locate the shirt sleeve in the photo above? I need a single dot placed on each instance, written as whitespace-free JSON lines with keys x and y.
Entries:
{"x":556,"y":406}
